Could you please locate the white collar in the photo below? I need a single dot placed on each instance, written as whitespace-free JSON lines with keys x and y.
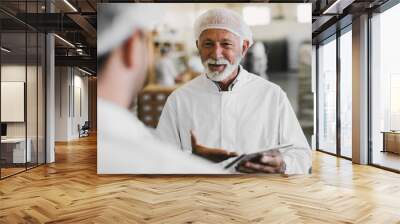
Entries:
{"x":240,"y":79}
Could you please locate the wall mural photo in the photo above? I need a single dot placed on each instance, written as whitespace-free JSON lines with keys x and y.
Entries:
{"x":200,"y":88}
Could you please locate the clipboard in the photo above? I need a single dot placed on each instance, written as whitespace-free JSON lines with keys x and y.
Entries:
{"x":254,"y":155}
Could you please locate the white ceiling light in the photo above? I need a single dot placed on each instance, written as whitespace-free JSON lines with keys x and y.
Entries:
{"x":338,"y":6}
{"x":331,"y":8}
{"x":84,"y":71}
{"x":257,"y":16}
{"x":304,"y":14}
{"x":70,"y":5}
{"x":5,"y":50}
{"x":65,"y":41}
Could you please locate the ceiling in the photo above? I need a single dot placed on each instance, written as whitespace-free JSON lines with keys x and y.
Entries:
{"x":332,"y":15}
{"x":75,"y":21}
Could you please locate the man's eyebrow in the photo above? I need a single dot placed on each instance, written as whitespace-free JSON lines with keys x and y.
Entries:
{"x":226,"y":40}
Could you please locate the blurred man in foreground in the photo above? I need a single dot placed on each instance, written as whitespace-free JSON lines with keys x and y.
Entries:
{"x":125,"y":145}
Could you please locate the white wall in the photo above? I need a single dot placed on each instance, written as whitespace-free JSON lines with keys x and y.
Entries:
{"x":68,"y":83}
{"x":12,"y":100}
{"x":80,"y":83}
{"x":33,"y":126}
{"x":12,"y":73}
{"x":62,"y":81}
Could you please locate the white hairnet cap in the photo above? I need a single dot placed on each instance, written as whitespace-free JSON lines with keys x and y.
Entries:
{"x":116,"y":22}
{"x":223,"y":19}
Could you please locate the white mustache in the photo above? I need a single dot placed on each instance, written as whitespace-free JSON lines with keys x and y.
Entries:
{"x":216,"y":75}
{"x":221,"y":61}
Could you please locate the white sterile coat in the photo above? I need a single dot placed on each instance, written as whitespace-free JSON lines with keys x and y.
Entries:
{"x":126,"y":146}
{"x":254,"y":115}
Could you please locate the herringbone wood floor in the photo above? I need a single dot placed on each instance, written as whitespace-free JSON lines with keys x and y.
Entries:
{"x":70,"y":191}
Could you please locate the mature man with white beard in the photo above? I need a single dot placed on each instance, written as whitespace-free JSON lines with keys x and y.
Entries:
{"x":231,"y":110}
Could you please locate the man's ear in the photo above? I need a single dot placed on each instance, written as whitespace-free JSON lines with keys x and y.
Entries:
{"x":130,"y":46}
{"x":245,"y":47}
{"x":197,"y":44}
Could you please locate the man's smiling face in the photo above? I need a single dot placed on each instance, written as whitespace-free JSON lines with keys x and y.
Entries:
{"x":220,"y":52}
